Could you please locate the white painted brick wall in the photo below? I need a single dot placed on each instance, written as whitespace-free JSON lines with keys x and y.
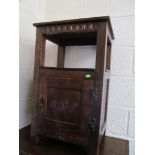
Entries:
{"x":25,"y":111}
{"x":86,"y":57}
{"x":30,"y":12}
{"x":26,"y":29}
{"x":117,"y":121}
{"x":131,"y":147}
{"x":106,"y":7}
{"x":133,"y":65}
{"x":121,"y":95}
{"x":26,"y":55}
{"x":121,"y":92}
{"x":61,"y":10}
{"x":35,"y":8}
{"x":70,"y":57}
{"x":51,"y":54}
{"x":131,"y":125}
{"x":80,"y":57}
{"x":124,"y":31}
{"x":122,"y":61}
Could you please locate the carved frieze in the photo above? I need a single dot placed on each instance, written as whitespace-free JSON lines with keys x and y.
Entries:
{"x":69,"y":28}
{"x":62,"y":106}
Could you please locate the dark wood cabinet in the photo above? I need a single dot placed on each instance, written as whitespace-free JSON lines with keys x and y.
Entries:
{"x":70,"y":104}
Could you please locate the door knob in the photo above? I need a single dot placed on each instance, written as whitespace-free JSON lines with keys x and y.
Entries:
{"x":93,"y":95}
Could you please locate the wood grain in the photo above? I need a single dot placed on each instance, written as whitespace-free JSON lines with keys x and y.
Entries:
{"x":71,"y":104}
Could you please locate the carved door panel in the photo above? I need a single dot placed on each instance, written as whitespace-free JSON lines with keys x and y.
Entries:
{"x":65,"y":108}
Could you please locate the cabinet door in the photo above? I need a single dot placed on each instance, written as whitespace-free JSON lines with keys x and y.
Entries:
{"x":65,"y":108}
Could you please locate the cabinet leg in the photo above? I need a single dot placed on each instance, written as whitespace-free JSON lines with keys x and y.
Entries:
{"x":35,"y":139}
{"x":94,"y":150}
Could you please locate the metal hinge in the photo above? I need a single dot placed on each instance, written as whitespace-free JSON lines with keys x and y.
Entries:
{"x":93,"y":95}
{"x":92,"y":125}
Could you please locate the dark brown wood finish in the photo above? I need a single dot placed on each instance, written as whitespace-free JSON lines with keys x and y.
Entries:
{"x":39,"y":61}
{"x":71,"y":104}
{"x":108,"y":146}
{"x":81,"y":20}
{"x":62,"y":114}
{"x":61,"y":57}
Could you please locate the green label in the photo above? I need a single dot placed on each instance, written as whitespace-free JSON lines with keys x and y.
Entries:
{"x":87,"y":76}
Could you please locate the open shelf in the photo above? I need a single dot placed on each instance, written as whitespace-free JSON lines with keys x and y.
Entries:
{"x":73,"y":38}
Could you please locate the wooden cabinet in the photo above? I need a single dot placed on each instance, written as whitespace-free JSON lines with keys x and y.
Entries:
{"x":70,"y":104}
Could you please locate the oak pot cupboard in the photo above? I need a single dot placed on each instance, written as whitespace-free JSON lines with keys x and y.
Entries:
{"x":70,"y":104}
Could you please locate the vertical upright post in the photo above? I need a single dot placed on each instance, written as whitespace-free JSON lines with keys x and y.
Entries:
{"x":39,"y":61}
{"x":61,"y":56}
{"x":101,"y":50}
{"x":100,"y":67}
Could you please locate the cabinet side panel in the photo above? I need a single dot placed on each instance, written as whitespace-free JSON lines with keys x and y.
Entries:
{"x":104,"y":106}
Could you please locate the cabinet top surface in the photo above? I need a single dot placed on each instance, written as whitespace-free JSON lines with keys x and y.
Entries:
{"x":76,"y":21}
